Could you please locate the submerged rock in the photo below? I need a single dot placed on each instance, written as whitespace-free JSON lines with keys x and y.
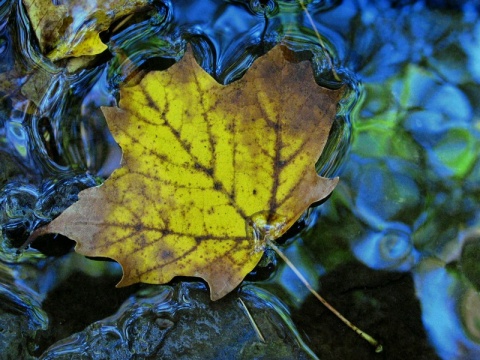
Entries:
{"x":180,"y":322}
{"x":20,"y":319}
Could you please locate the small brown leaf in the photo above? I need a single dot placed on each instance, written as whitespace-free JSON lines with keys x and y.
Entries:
{"x":73,"y":29}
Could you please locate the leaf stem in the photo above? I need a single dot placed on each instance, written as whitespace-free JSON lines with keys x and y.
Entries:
{"x":378,"y":347}
{"x":322,"y":44}
{"x":252,"y":321}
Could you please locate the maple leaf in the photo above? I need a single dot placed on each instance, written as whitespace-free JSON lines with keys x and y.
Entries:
{"x":209,"y":172}
{"x":73,"y":30}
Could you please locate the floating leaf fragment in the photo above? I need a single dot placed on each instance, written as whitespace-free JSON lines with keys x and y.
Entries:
{"x":72,"y":29}
{"x":209,"y":172}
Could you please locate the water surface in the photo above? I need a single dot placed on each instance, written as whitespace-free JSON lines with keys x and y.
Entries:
{"x":395,"y":248}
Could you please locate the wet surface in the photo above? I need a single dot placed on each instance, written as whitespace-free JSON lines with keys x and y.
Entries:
{"x":180,"y":322}
{"x":382,"y":301}
{"x":395,"y":248}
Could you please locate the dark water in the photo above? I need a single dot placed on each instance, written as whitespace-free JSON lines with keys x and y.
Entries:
{"x":396,"y":247}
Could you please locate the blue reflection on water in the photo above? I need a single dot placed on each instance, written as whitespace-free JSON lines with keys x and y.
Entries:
{"x":385,"y":191}
{"x":440,"y":293}
{"x":16,"y":134}
{"x":390,"y":249}
{"x":439,"y":311}
{"x":471,"y":44}
{"x":211,"y":26}
{"x":411,"y":183}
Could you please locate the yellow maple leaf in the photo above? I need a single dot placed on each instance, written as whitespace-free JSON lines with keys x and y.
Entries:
{"x":209,"y":171}
{"x":73,"y":29}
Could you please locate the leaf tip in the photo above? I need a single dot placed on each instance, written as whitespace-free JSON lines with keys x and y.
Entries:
{"x":328,"y":185}
{"x":33,"y":236}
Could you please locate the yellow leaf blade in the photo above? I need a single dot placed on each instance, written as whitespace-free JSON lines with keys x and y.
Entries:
{"x":208,"y":171}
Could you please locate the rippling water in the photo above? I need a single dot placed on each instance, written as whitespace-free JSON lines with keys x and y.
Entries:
{"x":397,"y":244}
